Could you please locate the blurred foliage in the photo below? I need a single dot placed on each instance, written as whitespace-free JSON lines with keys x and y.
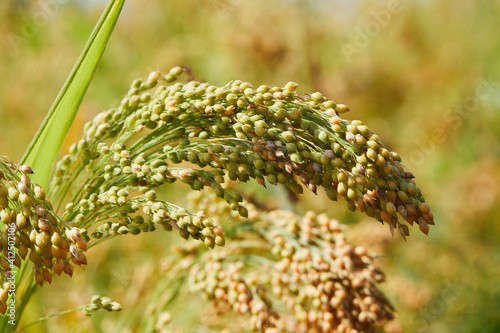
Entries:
{"x":427,"y":78}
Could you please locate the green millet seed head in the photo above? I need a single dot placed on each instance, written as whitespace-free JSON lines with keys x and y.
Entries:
{"x":226,"y":281}
{"x":266,"y":133}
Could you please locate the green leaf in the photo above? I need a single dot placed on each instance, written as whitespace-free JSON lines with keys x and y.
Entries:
{"x":45,"y":146}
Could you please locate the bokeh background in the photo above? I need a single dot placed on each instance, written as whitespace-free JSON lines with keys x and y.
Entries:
{"x":424,"y":75}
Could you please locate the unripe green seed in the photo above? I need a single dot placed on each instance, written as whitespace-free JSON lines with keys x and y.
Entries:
{"x":351,"y":182}
{"x":342,"y":188}
{"x":291,"y":86}
{"x":341,"y":108}
{"x":123,"y":230}
{"x":134,"y":230}
{"x":351,"y":194}
{"x":220,"y":241}
{"x":380,"y":161}
{"x":21,"y":220}
{"x":390,"y":208}
{"x":176,"y":71}
{"x":243,"y":211}
{"x":329,"y":105}
{"x":403,"y":196}
{"x":338,"y":163}
{"x":25,"y":199}
{"x":150,"y":195}
{"x":323,"y":137}
{"x":13,"y":193}
{"x":296,"y":188}
{"x":331,"y":194}
{"x":412,"y":189}
{"x":271,"y":178}
{"x":371,"y":154}
{"x":317,"y":96}
{"x":296,"y":158}
{"x":288,"y":136}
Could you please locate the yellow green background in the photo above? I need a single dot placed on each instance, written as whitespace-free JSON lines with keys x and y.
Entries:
{"x":424,"y":75}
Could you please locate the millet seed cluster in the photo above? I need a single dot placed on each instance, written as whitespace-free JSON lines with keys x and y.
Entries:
{"x":326,"y":283}
{"x":204,"y":135}
{"x":32,"y":231}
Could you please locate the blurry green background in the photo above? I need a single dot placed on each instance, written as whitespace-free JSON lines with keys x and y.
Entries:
{"x":423,"y":75}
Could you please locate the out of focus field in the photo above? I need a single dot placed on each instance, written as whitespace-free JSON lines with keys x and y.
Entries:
{"x":423,"y":75}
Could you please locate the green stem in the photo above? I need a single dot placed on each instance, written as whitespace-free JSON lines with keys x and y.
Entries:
{"x":28,"y":292}
{"x":51,"y":316}
{"x":25,"y":278}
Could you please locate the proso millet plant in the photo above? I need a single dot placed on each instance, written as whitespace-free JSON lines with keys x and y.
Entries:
{"x":324,"y":283}
{"x":209,"y":137}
